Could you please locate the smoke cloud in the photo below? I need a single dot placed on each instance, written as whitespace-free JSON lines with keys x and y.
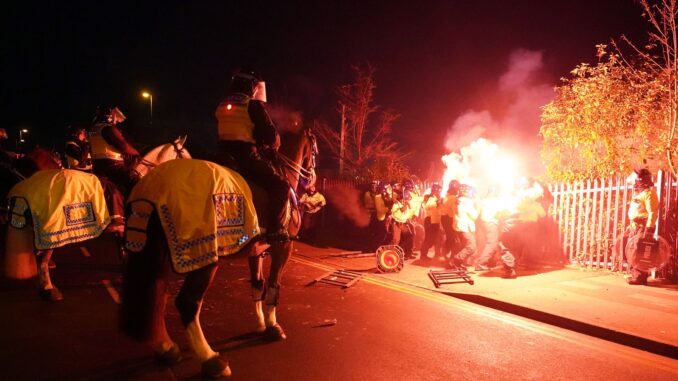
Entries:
{"x":515,"y":124}
{"x":345,"y":199}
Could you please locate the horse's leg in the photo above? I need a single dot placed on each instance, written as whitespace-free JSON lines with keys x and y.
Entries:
{"x":47,"y":290}
{"x":280,"y":255}
{"x":167,"y":351}
{"x":188,"y":302}
{"x":258,"y":288}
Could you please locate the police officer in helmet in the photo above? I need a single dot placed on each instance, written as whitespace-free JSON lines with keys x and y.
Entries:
{"x":245,"y":133}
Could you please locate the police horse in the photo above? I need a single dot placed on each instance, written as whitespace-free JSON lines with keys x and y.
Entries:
{"x":161,"y":237}
{"x":50,"y":207}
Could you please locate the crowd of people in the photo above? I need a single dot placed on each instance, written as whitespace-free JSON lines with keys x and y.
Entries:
{"x":508,"y":224}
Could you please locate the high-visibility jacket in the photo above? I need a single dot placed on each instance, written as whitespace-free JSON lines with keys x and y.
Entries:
{"x":381,"y":207}
{"x":467,"y":213}
{"x":431,"y":209}
{"x":206,"y":211}
{"x":100,"y":148}
{"x":65,"y":206}
{"x":401,"y":212}
{"x":233,"y":119}
{"x":644,"y":206}
{"x":76,"y":162}
{"x":312,"y":203}
{"x":449,"y":206}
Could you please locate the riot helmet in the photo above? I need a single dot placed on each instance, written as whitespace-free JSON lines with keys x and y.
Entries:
{"x":643,"y":179}
{"x":466,"y":190}
{"x":436,"y":188}
{"x":109,"y":114}
{"x":249,"y":82}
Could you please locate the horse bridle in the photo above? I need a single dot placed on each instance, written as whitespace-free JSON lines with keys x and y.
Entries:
{"x":307,"y":174}
{"x":150,"y":165}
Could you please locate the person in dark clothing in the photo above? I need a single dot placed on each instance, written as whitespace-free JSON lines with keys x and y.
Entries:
{"x":246,"y":135}
{"x":77,"y":150}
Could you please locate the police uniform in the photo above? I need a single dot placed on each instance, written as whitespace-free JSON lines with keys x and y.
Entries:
{"x":108,"y":149}
{"x":431,"y":205}
{"x":401,"y":228}
{"x":244,"y":126}
{"x":448,"y":211}
{"x":643,"y":216}
{"x":78,"y":155}
{"x":311,"y":205}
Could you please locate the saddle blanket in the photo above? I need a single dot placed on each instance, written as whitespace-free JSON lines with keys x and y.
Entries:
{"x":205,"y":210}
{"x":64,"y":206}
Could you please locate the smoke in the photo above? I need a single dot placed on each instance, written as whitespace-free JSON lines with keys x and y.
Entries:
{"x":514,"y":123}
{"x":345,"y":199}
{"x":285,"y":119}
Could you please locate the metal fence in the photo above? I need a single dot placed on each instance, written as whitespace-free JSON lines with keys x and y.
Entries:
{"x":592,"y":215}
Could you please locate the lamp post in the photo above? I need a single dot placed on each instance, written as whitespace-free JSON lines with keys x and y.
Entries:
{"x":149,"y":96}
{"x":22,"y":138}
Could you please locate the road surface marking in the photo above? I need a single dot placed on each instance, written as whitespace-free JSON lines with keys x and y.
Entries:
{"x":590,"y":342}
{"x":84,"y":251}
{"x":111,"y":290}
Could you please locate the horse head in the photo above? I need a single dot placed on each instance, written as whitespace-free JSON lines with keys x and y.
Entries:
{"x":158,"y":155}
{"x":298,"y":157}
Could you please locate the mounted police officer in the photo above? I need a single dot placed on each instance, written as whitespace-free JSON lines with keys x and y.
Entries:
{"x":111,"y":154}
{"x":110,"y":150}
{"x":77,"y":149}
{"x":246,"y":134}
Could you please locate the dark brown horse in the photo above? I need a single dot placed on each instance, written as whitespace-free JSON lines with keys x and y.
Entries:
{"x":297,"y":160}
{"x":145,"y":290}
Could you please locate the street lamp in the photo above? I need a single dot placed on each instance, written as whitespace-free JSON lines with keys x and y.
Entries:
{"x":149,"y":96}
{"x":22,"y":138}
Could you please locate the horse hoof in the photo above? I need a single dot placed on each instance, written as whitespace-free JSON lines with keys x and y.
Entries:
{"x":215,"y":368}
{"x":169,"y":357}
{"x":51,"y":295}
{"x":274,"y":333}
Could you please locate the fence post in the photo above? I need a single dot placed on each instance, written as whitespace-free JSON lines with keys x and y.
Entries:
{"x":606,"y":252}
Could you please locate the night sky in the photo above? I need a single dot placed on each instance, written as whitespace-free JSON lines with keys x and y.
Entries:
{"x":435,"y":60}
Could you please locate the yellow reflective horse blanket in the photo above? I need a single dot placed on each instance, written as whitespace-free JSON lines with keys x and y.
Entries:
{"x":206,"y":211}
{"x":65,"y":206}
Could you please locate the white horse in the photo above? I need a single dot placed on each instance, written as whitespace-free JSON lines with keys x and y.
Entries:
{"x":80,"y":215}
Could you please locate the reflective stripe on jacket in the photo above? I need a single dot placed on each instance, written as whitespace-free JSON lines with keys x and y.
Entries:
{"x":100,"y":149}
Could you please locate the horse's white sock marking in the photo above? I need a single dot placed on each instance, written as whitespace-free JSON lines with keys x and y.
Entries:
{"x":259,"y":310}
{"x":196,"y":339}
{"x":111,"y":290}
{"x":271,"y":320}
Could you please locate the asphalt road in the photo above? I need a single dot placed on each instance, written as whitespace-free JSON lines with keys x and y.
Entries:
{"x":383,"y":331}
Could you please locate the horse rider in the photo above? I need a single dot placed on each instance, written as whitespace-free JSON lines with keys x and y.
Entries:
{"x":110,"y":151}
{"x":111,"y":154}
{"x":78,"y":150}
{"x":643,"y":213}
{"x":246,"y":136}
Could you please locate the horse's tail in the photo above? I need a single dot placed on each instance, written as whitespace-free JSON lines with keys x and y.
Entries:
{"x":144,"y":285}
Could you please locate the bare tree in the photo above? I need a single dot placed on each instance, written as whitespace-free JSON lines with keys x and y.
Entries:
{"x":660,"y":56}
{"x":365,"y":148}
